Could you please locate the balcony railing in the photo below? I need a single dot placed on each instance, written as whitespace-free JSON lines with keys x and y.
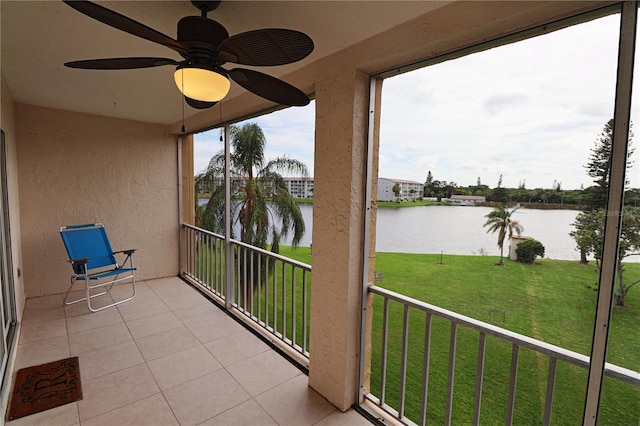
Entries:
{"x":273,"y":293}
{"x":269,"y":290}
{"x":404,"y":347}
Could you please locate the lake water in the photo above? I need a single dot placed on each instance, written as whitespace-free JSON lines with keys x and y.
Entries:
{"x":459,"y":230}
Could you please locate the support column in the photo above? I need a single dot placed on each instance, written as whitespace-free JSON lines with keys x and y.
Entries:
{"x":338,"y":235}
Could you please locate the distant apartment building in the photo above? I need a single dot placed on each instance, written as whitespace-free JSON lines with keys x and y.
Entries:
{"x":300,"y":187}
{"x":409,"y":189}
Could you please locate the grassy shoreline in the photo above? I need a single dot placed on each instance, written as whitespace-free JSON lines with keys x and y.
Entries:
{"x":422,"y":203}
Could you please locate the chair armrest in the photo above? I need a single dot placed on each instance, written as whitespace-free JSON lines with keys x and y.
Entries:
{"x":79,"y":265}
{"x":127,"y":252}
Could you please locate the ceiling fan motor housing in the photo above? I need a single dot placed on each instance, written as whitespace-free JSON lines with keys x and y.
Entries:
{"x":196,"y":29}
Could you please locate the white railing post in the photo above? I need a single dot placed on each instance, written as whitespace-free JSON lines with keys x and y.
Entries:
{"x":229,"y":299}
{"x":180,"y":212}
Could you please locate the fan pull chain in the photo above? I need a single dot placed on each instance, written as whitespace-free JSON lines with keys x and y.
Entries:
{"x":222,"y":127}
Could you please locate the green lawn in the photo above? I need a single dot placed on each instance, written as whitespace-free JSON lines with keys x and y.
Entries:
{"x":551,"y":301}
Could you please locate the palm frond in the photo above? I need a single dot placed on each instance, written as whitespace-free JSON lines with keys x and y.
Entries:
{"x":213,"y":215}
{"x":248,"y":143}
{"x":287,"y":166}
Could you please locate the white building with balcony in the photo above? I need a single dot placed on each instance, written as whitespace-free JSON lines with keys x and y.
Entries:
{"x":409,"y":189}
{"x":300,"y":187}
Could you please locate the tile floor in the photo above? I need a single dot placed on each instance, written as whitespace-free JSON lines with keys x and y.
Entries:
{"x":168,"y":357}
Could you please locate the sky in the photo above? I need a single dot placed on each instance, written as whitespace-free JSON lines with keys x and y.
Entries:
{"x":530,"y":111}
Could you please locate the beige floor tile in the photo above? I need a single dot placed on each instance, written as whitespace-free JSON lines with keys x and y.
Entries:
{"x":181,"y":295}
{"x":151,"y":411}
{"x":98,"y":338}
{"x":42,"y":351}
{"x":34,"y":332}
{"x":141,"y":308}
{"x":348,"y":418}
{"x":36,"y":304}
{"x":124,"y":290}
{"x":143,"y":292}
{"x":186,"y":300}
{"x":208,"y":331}
{"x":115,"y":390}
{"x":193,"y":315}
{"x":247,"y":413}
{"x":303,"y":406}
{"x":154,"y":324}
{"x":167,"y":285}
{"x":166,"y":343}
{"x":108,"y":360}
{"x":178,"y":368}
{"x":93,"y":320}
{"x":205,"y":397}
{"x":262,"y":372}
{"x":50,"y":314}
{"x":236,"y":348}
{"x":64,"y":415}
{"x":81,"y":308}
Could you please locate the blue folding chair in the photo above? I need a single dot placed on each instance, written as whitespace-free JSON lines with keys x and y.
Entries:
{"x":94,"y":262}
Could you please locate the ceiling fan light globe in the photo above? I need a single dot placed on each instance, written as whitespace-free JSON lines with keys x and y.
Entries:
{"x":202,"y":84}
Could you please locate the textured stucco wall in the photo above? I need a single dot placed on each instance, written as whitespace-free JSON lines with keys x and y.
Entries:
{"x":80,"y":168}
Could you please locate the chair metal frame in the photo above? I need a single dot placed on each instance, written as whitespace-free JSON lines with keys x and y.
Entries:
{"x":94,"y":262}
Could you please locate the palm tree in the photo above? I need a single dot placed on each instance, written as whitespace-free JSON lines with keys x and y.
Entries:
{"x":500,"y":220}
{"x":266,"y":211}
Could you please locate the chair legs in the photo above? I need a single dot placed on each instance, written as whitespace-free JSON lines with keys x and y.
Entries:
{"x":107,"y":288}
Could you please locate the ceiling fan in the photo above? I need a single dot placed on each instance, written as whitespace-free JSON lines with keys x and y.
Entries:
{"x":205,"y":45}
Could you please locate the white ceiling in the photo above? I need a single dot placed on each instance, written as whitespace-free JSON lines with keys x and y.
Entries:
{"x":38,"y":37}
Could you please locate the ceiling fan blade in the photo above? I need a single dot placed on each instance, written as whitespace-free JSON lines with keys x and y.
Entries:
{"x":120,"y":63}
{"x":265,"y":47}
{"x":269,"y":87}
{"x":193,"y":103}
{"x":125,"y":24}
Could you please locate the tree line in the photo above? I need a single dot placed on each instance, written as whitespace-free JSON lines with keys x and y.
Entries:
{"x":576,"y":198}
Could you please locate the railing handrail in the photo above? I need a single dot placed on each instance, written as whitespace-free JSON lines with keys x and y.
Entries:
{"x":254,"y":248}
{"x":213,"y":234}
{"x":612,"y":370}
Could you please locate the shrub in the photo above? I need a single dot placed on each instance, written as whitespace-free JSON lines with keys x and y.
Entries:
{"x":528,"y":250}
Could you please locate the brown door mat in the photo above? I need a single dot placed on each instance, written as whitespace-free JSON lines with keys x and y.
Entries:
{"x":45,"y":386}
